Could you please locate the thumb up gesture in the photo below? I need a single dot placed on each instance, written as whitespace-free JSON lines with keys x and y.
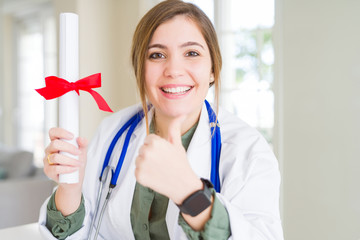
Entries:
{"x":162,"y":165}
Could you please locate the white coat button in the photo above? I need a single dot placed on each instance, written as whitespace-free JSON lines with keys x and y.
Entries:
{"x":145,"y":227}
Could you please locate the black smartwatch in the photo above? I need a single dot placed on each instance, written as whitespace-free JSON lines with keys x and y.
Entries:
{"x":197,"y":201}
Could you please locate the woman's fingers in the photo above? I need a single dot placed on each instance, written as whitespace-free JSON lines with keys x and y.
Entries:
{"x":58,"y":163}
{"x":71,"y":158}
{"x":60,"y":159}
{"x":57,"y":133}
{"x":152,"y":139}
{"x":57,"y":144}
{"x":53,"y":171}
{"x":62,"y":146}
{"x":82,"y":142}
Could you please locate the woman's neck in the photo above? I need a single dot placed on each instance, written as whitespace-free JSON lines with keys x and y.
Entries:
{"x":162,"y":123}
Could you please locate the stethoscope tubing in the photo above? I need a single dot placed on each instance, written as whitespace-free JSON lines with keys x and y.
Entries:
{"x":116,"y":174}
{"x":102,"y":182}
{"x":131,"y":124}
{"x":102,"y":212}
{"x":215,"y":147}
{"x":113,"y":143}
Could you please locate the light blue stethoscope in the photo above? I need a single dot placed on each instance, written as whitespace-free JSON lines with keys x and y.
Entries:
{"x":131,"y":124}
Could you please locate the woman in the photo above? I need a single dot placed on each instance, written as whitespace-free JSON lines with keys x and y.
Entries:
{"x":162,"y":191}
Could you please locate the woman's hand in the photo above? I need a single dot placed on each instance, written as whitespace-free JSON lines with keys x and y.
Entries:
{"x":68,"y":196}
{"x":162,"y":165}
{"x":60,"y":163}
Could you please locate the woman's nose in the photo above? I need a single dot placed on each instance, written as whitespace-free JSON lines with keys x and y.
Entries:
{"x":174,"y":67}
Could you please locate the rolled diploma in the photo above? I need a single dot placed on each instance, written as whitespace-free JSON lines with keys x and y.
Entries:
{"x":69,"y":70}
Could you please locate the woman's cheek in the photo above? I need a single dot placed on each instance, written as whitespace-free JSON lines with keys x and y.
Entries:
{"x":197,"y":69}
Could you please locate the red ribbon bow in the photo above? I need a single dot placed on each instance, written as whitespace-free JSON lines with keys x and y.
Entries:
{"x":56,"y":87}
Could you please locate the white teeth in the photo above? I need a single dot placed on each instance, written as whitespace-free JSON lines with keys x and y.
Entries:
{"x":176,"y":89}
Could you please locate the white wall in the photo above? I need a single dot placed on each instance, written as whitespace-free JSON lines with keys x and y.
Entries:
{"x":318,"y":85}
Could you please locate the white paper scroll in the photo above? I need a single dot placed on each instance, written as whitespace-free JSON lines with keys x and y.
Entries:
{"x":69,"y":70}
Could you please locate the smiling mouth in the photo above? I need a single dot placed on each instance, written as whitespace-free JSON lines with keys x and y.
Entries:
{"x":176,"y":90}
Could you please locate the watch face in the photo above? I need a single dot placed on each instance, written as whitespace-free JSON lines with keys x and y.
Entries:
{"x":196,"y":203}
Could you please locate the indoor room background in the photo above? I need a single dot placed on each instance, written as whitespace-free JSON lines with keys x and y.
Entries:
{"x":291,"y":69}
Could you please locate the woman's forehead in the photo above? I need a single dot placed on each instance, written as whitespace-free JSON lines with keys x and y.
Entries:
{"x":177,"y":30}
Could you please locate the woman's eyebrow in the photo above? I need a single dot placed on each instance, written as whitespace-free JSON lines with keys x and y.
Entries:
{"x":192,"y":44}
{"x":157,"y":45}
{"x":187,"y":44}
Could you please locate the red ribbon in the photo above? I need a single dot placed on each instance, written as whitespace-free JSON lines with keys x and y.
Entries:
{"x":56,"y":87}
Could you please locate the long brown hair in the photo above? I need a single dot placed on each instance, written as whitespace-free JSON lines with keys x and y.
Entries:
{"x":159,"y":14}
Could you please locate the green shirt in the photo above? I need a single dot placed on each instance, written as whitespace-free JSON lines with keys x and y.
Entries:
{"x":148,"y":212}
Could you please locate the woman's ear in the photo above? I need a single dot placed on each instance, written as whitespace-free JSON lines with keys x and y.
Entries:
{"x":212,"y":79}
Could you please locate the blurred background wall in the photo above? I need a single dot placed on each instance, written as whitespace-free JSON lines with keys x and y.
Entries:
{"x":318,"y":79}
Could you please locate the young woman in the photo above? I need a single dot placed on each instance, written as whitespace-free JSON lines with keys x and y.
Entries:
{"x":163,"y":190}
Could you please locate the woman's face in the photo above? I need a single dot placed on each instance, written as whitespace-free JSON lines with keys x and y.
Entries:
{"x":177,"y":69}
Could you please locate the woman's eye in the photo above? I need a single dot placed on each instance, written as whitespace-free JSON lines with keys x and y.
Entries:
{"x":156,"y":56}
{"x":192,"y":54}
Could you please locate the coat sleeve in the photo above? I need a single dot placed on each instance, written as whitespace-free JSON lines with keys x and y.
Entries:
{"x":80,"y":234}
{"x":250,"y":190}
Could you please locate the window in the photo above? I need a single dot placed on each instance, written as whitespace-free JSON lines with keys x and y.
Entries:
{"x":206,"y":5}
{"x":244,"y":30}
{"x":35,"y":56}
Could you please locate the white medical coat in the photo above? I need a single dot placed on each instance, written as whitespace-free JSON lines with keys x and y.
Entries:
{"x":249,"y":178}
